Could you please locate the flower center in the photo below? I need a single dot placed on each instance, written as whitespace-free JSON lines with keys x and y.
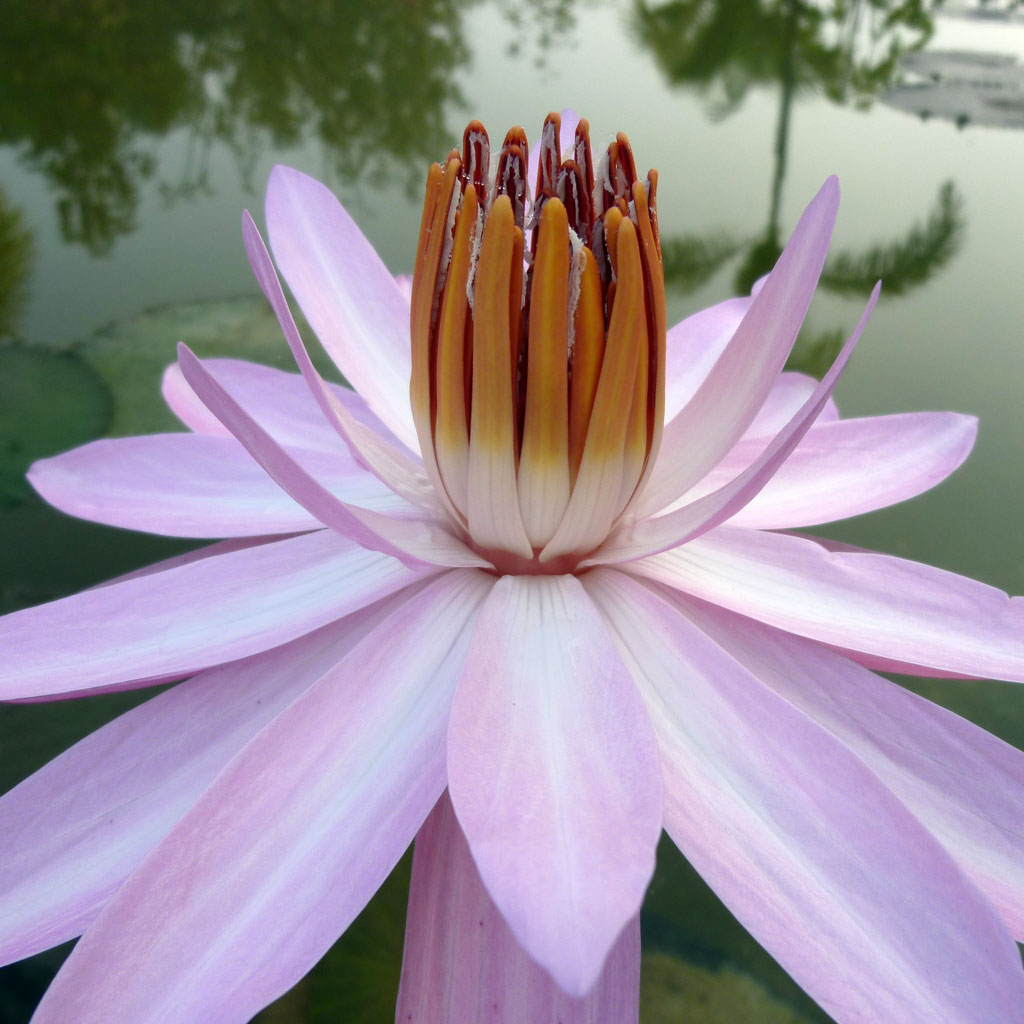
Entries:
{"x":538,"y":343}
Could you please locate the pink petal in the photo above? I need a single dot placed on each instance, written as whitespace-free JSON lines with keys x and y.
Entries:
{"x":462,"y":965}
{"x":77,"y":828}
{"x":803,"y":843}
{"x":279,"y":400}
{"x":192,"y":616}
{"x":650,"y":536}
{"x":222,"y":547}
{"x":961,"y":782}
{"x":346,"y":293}
{"x":420,"y":541}
{"x":392,"y":464}
{"x":195,"y":485}
{"x":788,"y":393}
{"x":740,"y":381}
{"x":693,"y":347}
{"x":920,"y":617}
{"x":286,"y":846}
{"x":553,"y":773}
{"x":404,"y":282}
{"x":848,"y":467}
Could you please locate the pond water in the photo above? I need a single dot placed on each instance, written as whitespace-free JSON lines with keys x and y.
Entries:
{"x":133,"y":134}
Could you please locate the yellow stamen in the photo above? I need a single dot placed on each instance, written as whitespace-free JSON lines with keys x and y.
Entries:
{"x":610,"y":416}
{"x":538,"y":408}
{"x":424,"y":295}
{"x":595,"y":498}
{"x":544,"y":460}
{"x":587,"y":353}
{"x":493,"y":523}
{"x":635,"y":446}
{"x":515,"y":317}
{"x":654,"y":296}
{"x":451,"y":431}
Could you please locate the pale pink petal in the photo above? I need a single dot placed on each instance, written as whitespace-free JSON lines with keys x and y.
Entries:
{"x":847,"y":467}
{"x":279,"y":400}
{"x":289,"y":842}
{"x":553,"y":773}
{"x":192,"y":616}
{"x":404,"y":282}
{"x":392,"y":464}
{"x":788,"y":393}
{"x":965,"y":785}
{"x":736,"y":387}
{"x":674,"y":528}
{"x":196,"y":485}
{"x":693,"y":347}
{"x":423,"y":541}
{"x":803,"y":842}
{"x":222,"y":547}
{"x":346,"y":293}
{"x":462,"y":965}
{"x":922,"y":618}
{"x":185,"y":404}
{"x":78,"y":827}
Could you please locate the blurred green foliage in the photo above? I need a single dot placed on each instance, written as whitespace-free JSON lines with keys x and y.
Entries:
{"x":849,"y":49}
{"x":76,"y":409}
{"x":15,"y":264}
{"x":87,"y":87}
{"x":902,"y":264}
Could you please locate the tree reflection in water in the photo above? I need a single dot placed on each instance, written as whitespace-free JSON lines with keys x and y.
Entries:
{"x":89,"y":87}
{"x":848,"y":51}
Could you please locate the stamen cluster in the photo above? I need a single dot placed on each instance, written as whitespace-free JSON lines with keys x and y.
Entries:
{"x":538,"y":342}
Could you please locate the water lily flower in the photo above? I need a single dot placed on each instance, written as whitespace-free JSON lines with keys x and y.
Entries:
{"x":545,"y":610}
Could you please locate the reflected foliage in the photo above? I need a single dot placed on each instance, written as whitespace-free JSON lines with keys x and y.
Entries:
{"x":15,"y":264}
{"x":690,"y":260}
{"x":902,"y":265}
{"x":538,"y":22}
{"x":813,"y":353}
{"x":88,"y":86}
{"x":758,"y":260}
{"x":849,"y":49}
{"x":83,"y":83}
{"x":908,"y":262}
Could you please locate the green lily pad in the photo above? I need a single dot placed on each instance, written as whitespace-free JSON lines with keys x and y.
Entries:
{"x":672,"y":990}
{"x":683,"y":918}
{"x":49,"y":401}
{"x":131,"y":355}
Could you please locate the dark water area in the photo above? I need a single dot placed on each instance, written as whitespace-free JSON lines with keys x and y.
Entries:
{"x":132,"y":135}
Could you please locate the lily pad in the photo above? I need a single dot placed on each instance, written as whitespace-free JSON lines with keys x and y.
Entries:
{"x":131,"y":355}
{"x":49,"y":401}
{"x":672,"y":990}
{"x":684,"y":919}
